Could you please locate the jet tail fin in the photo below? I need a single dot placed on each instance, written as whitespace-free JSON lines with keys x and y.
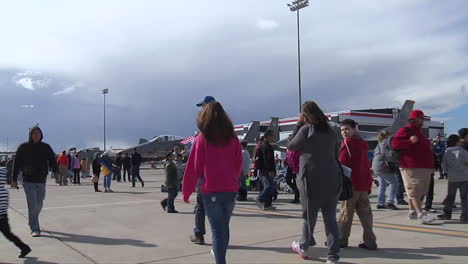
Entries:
{"x":142,"y":140}
{"x":402,"y":118}
{"x":274,"y":126}
{"x":254,"y":132}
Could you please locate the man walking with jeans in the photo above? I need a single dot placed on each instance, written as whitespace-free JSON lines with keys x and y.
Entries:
{"x":455,"y":163}
{"x":136,"y":162}
{"x":199,"y":230}
{"x":267,"y":170}
{"x":33,"y":159}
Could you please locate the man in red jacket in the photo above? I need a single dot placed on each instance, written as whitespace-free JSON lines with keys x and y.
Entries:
{"x":416,"y":164}
{"x":353,"y":153}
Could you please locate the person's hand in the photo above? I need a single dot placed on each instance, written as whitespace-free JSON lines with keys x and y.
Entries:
{"x":271,"y":173}
{"x":414,"y":139}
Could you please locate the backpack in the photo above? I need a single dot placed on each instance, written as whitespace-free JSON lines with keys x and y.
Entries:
{"x":346,"y":184}
{"x":390,"y":154}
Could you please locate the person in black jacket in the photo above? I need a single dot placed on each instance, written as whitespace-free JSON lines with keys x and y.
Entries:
{"x":96,"y":171}
{"x":127,"y":164}
{"x":33,"y":159}
{"x":118,"y":168}
{"x":267,"y":171}
{"x":136,"y":162}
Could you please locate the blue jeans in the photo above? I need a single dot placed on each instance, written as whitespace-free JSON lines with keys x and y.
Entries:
{"x":107,"y":181}
{"x":219,"y":207}
{"x":35,"y":195}
{"x":266,"y":196}
{"x":452,"y":191}
{"x":199,"y":229}
{"x":385,"y":180}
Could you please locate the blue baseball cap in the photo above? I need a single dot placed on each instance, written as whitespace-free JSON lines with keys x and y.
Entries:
{"x":207,"y":99}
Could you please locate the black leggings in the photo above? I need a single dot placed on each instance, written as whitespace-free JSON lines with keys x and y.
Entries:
{"x":291,"y":181}
{"x":5,"y":229}
{"x":76,"y":176}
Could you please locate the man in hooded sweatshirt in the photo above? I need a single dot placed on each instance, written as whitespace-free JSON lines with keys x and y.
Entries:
{"x":353,"y":153}
{"x":33,"y":159}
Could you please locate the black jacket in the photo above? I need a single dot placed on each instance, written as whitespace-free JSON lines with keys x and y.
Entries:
{"x":136,"y":159}
{"x":267,"y":158}
{"x":96,"y":166}
{"x":118,"y":162}
{"x":34,"y":160}
{"x":171,"y":175}
{"x":126,"y":162}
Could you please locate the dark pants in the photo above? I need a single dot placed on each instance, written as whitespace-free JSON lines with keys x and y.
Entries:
{"x":401,"y":187}
{"x":291,"y":181}
{"x":117,"y":174}
{"x":266,"y":195}
{"x":125,"y":172}
{"x":136,"y":175}
{"x":242,"y":192}
{"x":430,"y":194}
{"x":450,"y":200}
{"x":219,"y":207}
{"x":5,"y":229}
{"x":171,"y":195}
{"x":97,"y":182}
{"x":76,"y":176}
{"x":199,"y":229}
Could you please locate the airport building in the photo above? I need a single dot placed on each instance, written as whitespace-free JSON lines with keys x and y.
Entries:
{"x":371,"y":120}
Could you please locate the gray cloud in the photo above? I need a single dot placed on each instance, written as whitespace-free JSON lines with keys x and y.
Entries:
{"x":157,"y":64}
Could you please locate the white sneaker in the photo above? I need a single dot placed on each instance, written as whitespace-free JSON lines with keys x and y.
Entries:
{"x":212,"y":252}
{"x":332,"y":262}
{"x":297,"y":248}
{"x":413,"y":215}
{"x":36,"y":234}
{"x":426,"y":219}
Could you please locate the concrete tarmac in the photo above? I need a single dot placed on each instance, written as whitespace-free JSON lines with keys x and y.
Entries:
{"x":129,"y":226}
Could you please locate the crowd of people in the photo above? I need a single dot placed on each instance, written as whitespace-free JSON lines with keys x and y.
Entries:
{"x":318,"y":160}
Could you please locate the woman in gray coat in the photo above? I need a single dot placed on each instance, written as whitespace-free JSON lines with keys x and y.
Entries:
{"x":319,"y":179}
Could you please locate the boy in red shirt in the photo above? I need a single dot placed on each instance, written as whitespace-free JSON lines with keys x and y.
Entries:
{"x":353,"y":153}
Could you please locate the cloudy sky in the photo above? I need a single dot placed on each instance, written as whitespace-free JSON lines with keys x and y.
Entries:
{"x":158,"y":58}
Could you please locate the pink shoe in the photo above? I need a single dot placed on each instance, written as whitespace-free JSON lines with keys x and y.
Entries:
{"x":295,"y":246}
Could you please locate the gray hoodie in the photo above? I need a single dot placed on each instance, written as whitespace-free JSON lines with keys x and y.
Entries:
{"x":378,"y":162}
{"x":455,"y":163}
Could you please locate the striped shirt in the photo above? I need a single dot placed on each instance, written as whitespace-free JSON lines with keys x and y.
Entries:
{"x":3,"y":192}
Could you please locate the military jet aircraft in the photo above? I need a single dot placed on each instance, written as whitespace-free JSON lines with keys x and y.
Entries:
{"x":157,"y":147}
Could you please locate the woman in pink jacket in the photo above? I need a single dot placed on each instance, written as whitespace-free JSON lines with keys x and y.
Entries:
{"x":217,"y":155}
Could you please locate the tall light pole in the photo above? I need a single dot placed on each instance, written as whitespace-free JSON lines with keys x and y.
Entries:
{"x":295,"y":6}
{"x":104,"y":92}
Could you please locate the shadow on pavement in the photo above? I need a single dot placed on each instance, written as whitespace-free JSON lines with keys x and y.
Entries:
{"x":313,"y":253}
{"x":405,"y":253}
{"x":356,"y":253}
{"x":34,"y":260}
{"x":87,"y":239}
{"x":132,"y":192}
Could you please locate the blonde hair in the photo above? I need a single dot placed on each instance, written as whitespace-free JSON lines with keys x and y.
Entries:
{"x":382,"y":135}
